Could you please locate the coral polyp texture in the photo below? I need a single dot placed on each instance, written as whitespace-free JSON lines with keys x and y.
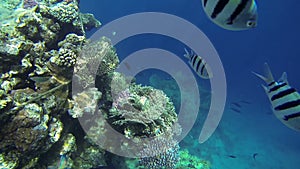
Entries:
{"x":161,"y":153}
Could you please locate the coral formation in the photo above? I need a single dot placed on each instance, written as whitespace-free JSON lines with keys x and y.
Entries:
{"x":43,"y":45}
{"x":181,"y":159}
{"x":189,"y":161}
{"x":142,"y":111}
{"x":97,"y":58}
{"x":29,"y":4}
{"x":166,"y":154}
{"x":91,"y":157}
{"x":84,"y":103}
{"x":40,"y":42}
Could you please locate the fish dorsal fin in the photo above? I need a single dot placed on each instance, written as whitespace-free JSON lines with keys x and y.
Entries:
{"x":268,"y":77}
{"x":187,"y":54}
{"x":283,"y":78}
{"x":265,"y":88}
{"x":268,"y":74}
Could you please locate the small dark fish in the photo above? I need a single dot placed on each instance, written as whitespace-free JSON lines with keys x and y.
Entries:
{"x":231,"y":156}
{"x":254,"y":156}
{"x":235,"y":109}
{"x":236,"y":104}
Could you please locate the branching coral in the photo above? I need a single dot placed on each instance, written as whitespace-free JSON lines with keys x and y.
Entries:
{"x":161,"y":153}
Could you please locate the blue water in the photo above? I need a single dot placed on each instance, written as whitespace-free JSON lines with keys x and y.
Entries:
{"x":255,"y":129}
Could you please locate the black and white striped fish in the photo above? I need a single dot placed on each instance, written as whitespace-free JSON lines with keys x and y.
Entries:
{"x":199,"y":65}
{"x":285,"y":99}
{"x":232,"y":14}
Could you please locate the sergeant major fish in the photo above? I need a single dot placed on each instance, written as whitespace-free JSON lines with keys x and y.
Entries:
{"x":285,"y":99}
{"x":199,"y":65}
{"x":232,"y":14}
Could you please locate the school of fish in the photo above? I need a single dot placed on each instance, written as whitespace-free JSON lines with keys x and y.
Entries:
{"x":238,"y":15}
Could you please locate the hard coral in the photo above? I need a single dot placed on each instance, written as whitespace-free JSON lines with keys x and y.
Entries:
{"x":33,"y":97}
{"x":146,"y":107}
{"x":162,"y":153}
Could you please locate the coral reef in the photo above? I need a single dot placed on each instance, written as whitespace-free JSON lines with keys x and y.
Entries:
{"x":169,"y":86}
{"x":43,"y":52}
{"x":166,"y":154}
{"x":141,"y":110}
{"x":181,"y":159}
{"x":91,"y":157}
{"x":189,"y":161}
{"x":29,"y":4}
{"x":84,"y":103}
{"x":40,"y":42}
{"x":97,"y":58}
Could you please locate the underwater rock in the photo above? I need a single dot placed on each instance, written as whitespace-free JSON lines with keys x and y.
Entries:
{"x":5,"y":162}
{"x":55,"y":129}
{"x":69,"y":145}
{"x":5,"y":100}
{"x":89,"y":22}
{"x":34,"y":27}
{"x":99,"y":59}
{"x":91,"y":157}
{"x":29,"y":4}
{"x":20,"y":138}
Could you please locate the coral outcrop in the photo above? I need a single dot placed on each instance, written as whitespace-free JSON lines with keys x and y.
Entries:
{"x":39,"y":44}
{"x":51,"y":77}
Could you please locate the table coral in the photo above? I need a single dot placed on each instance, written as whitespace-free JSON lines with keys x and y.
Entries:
{"x":146,"y":107}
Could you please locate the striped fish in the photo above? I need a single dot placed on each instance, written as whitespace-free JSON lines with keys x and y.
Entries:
{"x":199,"y":65}
{"x":232,"y":14}
{"x":285,"y":99}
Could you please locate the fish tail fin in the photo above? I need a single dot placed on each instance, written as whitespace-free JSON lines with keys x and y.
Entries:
{"x":267,"y":77}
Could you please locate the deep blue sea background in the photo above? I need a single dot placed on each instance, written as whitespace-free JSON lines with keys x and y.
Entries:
{"x":255,"y":129}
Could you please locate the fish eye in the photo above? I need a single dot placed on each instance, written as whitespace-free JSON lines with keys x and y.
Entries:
{"x":250,"y":23}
